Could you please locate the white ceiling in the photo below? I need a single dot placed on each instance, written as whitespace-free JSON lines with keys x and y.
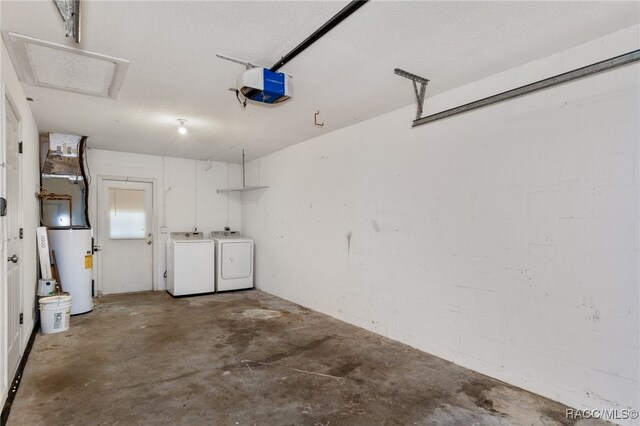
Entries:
{"x":347,"y":75}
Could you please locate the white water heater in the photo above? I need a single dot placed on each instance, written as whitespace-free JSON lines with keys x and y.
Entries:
{"x":74,"y":259}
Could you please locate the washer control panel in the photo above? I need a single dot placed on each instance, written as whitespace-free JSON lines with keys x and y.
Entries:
{"x":187,"y":235}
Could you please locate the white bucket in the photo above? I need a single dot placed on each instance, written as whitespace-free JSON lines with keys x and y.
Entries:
{"x":55,"y":313}
{"x":46,"y":287}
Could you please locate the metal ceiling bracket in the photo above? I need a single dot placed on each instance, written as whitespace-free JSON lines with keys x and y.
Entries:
{"x":420,"y":93}
{"x":70,"y":13}
{"x":606,"y":65}
{"x":247,"y":64}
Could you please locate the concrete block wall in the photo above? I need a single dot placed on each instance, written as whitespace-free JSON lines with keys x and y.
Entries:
{"x":504,"y":239}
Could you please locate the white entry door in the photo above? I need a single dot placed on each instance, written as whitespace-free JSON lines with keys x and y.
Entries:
{"x":125,"y":236}
{"x":12,"y":239}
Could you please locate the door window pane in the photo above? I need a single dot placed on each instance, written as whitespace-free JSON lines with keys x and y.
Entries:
{"x":127,"y":216}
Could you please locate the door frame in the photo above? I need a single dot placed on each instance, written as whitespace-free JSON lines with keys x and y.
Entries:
{"x":4,"y":288}
{"x":154,"y":226}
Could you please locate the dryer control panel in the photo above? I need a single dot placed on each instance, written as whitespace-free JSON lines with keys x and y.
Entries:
{"x":224,"y":234}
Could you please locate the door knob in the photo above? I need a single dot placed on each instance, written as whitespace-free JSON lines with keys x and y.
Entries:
{"x":13,"y":259}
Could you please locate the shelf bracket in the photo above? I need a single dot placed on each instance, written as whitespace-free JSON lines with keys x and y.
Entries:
{"x":420,"y":93}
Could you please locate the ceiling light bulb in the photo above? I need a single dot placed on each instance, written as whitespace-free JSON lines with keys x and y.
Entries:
{"x":182,"y":129}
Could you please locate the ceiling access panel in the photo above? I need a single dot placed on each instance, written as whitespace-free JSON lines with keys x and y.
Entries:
{"x":45,"y":64}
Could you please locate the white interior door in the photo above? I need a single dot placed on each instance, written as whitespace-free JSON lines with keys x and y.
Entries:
{"x":12,"y":239}
{"x":125,"y":236}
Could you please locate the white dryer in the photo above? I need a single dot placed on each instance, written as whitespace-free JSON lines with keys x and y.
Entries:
{"x":190,"y":264}
{"x":234,"y":261}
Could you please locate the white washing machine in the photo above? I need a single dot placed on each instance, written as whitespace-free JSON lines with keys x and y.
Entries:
{"x":190,"y":264}
{"x":234,"y":261}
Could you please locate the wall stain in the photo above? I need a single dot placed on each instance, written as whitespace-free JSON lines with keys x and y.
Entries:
{"x":375,"y":225}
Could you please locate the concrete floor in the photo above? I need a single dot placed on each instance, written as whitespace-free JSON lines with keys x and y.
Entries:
{"x":250,"y":358}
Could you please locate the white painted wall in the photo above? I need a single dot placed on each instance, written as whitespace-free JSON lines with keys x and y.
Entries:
{"x":184,"y":194}
{"x":30,"y":217}
{"x":504,"y":240}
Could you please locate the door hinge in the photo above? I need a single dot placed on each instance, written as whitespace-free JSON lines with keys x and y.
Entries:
{"x":21,"y":318}
{"x":21,"y":233}
{"x":20,"y":148}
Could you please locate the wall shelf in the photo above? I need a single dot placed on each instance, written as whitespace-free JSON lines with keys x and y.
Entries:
{"x":240,"y":189}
